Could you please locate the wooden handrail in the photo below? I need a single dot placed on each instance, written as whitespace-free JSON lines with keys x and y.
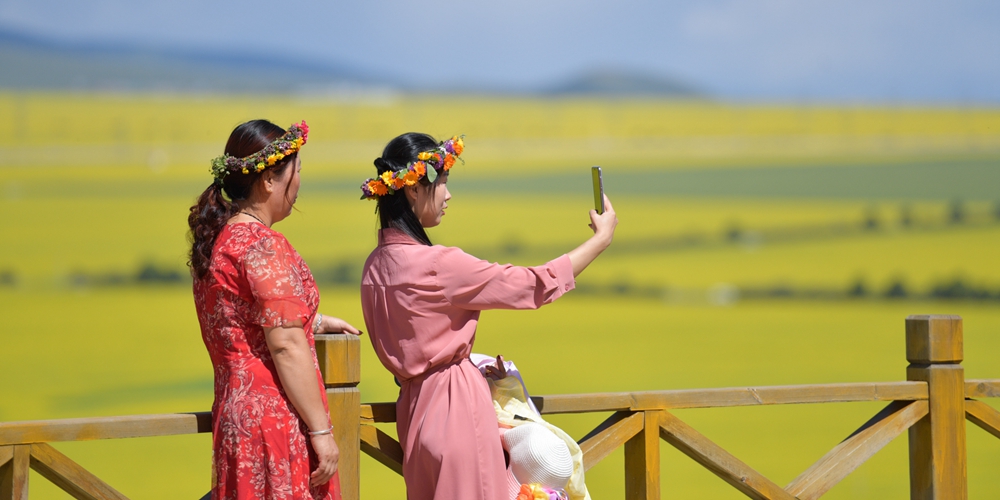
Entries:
{"x":710,"y":398}
{"x":85,"y":429}
{"x":732,"y":396}
{"x":980,"y":388}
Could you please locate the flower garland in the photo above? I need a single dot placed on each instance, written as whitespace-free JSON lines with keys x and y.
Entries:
{"x":439,"y":159}
{"x":289,"y":143}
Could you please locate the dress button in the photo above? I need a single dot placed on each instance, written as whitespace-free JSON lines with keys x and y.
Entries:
{"x":433,"y":273}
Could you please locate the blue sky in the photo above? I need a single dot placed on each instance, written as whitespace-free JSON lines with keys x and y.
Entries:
{"x":844,"y":51}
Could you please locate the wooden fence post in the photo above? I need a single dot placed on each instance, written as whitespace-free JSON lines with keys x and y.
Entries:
{"x":642,"y":460}
{"x":14,"y":464}
{"x":339,"y":359}
{"x":937,"y":441}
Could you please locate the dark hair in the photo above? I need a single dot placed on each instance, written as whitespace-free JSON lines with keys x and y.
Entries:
{"x":212,"y":210}
{"x":394,"y":210}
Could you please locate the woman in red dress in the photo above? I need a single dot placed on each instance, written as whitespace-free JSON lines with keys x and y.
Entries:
{"x":257,"y":306}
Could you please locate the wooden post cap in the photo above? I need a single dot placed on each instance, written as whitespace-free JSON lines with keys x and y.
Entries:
{"x":339,"y":357}
{"x":934,"y":339}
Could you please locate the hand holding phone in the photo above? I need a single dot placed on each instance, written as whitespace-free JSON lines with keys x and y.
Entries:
{"x":602,"y":221}
{"x":598,"y":189}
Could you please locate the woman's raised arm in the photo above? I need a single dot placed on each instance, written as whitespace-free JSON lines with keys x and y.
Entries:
{"x":472,"y":283}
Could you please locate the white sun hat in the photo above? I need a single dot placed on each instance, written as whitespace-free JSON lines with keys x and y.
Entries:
{"x":537,"y":455}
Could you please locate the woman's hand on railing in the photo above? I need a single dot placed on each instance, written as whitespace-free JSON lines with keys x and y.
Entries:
{"x":330,"y":324}
{"x":329,"y":456}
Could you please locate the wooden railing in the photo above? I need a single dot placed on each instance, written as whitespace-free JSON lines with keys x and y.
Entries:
{"x":932,"y":404}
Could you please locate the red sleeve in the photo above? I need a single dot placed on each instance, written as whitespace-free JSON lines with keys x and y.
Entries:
{"x":472,"y":283}
{"x":276,"y":283}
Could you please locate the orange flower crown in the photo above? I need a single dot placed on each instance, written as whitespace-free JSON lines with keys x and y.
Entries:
{"x":439,"y":159}
{"x":290,"y":142}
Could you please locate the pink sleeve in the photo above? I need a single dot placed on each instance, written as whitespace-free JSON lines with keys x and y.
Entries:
{"x":471,"y":283}
{"x":276,"y":283}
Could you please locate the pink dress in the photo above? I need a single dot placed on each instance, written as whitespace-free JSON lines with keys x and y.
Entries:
{"x":421,"y":305}
{"x":259,"y":446}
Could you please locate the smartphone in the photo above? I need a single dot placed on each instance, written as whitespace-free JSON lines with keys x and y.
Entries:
{"x":598,"y":189}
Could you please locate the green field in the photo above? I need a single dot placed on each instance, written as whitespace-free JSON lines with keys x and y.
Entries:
{"x":710,"y":197}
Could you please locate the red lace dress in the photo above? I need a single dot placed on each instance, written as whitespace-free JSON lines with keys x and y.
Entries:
{"x":260,"y":446}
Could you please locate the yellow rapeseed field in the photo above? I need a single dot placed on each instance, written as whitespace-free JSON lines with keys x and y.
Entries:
{"x":510,"y":133}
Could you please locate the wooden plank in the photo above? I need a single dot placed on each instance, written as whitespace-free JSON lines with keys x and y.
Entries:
{"x":719,"y":461}
{"x":382,"y":447}
{"x":983,"y":415}
{"x":345,"y":416}
{"x":6,"y":480}
{"x":613,"y":432}
{"x":706,"y":398}
{"x":937,"y":442}
{"x":777,"y":395}
{"x":339,"y":358}
{"x":82,"y":429}
{"x":982,"y":388}
{"x":6,"y":472}
{"x":583,"y":403}
{"x":731,"y":396}
{"x":69,"y":475}
{"x":14,"y":474}
{"x":381,"y":413}
{"x":642,"y":460}
{"x":856,"y":449}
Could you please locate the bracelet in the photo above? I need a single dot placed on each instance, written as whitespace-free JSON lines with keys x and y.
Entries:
{"x":317,"y":323}
{"x":320,"y":433}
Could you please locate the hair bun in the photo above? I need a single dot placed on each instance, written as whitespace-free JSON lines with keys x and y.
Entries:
{"x":381,"y":165}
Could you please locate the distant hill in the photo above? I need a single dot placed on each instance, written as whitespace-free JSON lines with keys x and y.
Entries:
{"x":30,"y":62}
{"x":621,"y":82}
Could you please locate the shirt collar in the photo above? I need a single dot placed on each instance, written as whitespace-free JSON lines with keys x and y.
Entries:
{"x":393,"y":236}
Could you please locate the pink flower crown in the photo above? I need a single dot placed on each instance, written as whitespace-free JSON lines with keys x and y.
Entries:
{"x":439,"y":159}
{"x":289,"y":142}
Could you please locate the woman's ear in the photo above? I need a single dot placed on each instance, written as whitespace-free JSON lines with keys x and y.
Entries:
{"x":267,"y":181}
{"x":411,"y":194}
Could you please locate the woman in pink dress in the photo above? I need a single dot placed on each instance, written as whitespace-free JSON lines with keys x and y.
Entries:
{"x":257,"y":306}
{"x":421,"y":304}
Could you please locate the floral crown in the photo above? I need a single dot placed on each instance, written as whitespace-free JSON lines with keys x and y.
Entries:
{"x":439,"y":159}
{"x":290,"y":142}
